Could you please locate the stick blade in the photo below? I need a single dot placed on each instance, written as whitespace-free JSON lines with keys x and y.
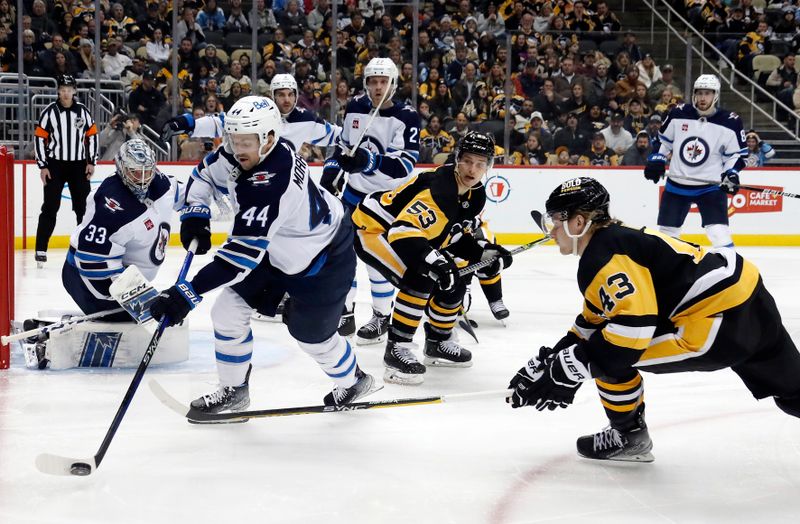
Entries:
{"x":539,"y":219}
{"x":168,"y":400}
{"x":134,"y":293}
{"x":50,"y":464}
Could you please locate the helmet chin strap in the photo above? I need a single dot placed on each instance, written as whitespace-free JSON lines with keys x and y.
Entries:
{"x":576,"y":237}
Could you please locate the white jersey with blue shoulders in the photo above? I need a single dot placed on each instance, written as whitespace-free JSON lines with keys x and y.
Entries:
{"x":702,"y":147}
{"x":280,"y":214}
{"x":118,"y":231}
{"x":299,"y":127}
{"x":394,"y":138}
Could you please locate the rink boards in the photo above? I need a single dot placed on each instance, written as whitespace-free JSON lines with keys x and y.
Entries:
{"x":756,"y":218}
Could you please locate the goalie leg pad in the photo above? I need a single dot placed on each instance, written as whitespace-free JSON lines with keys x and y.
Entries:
{"x":113,"y":344}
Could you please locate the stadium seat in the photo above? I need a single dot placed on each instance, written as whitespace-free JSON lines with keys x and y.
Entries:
{"x":216,"y":38}
{"x":223,"y":56}
{"x":585,"y":46}
{"x":765,"y":64}
{"x":440,"y":158}
{"x":238,"y":41}
{"x":239,"y":52}
{"x":264,"y":39}
{"x":142,"y":53}
{"x":609,"y":48}
{"x":778,"y":48}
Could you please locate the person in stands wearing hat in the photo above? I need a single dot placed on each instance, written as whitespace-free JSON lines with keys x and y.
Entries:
{"x":617,"y":138}
{"x":147,"y":100}
{"x":572,"y":136}
{"x":758,"y":152}
{"x":653,"y":126}
{"x":649,"y":72}
{"x":637,"y":154}
{"x":599,"y":154}
{"x":665,"y":82}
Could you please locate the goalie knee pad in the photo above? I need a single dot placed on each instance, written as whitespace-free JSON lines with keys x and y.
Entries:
{"x":719,"y":235}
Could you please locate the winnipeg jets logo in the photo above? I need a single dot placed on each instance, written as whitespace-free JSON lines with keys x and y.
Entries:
{"x":694,"y":151}
{"x":261,"y":178}
{"x":112,"y":205}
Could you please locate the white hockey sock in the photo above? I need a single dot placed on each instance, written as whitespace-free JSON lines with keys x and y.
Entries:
{"x":233,"y":357}
{"x":336,"y":359}
{"x":674,"y":232}
{"x":382,"y":292}
{"x":719,"y":235}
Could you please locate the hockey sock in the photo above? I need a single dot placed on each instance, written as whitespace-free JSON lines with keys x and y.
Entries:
{"x":621,"y":398}
{"x":336,"y":359}
{"x":233,"y":356}
{"x":492,"y":287}
{"x":382,"y":292}
{"x":442,"y":315}
{"x":407,"y":314}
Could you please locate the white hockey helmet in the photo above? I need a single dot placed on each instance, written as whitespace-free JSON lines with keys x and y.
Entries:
{"x":283,"y":81}
{"x":254,"y":115}
{"x":382,"y":67}
{"x":710,"y":82}
{"x":136,"y":166}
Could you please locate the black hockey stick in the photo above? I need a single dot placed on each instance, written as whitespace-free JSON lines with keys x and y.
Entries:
{"x":741,"y":186}
{"x":198,"y":417}
{"x":58,"y":465}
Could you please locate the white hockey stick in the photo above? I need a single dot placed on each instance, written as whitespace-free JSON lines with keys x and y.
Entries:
{"x":197,"y":417}
{"x":352,"y":151}
{"x":43,"y":330}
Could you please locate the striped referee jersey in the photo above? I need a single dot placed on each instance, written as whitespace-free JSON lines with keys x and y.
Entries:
{"x":65,"y":134}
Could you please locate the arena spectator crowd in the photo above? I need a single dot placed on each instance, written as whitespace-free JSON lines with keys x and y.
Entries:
{"x":584,"y":91}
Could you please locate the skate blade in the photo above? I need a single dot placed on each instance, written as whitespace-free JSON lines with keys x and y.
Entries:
{"x":394,"y":376}
{"x":371,"y":341}
{"x":277,"y":319}
{"x":444,"y":363}
{"x":645,"y":457}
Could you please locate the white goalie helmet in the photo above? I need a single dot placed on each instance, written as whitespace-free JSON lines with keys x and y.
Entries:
{"x":382,"y":67}
{"x":283,"y":81}
{"x":710,"y":82}
{"x":254,"y":115}
{"x":136,"y":166}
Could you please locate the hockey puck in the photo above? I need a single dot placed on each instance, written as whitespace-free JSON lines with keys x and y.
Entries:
{"x":81,"y":469}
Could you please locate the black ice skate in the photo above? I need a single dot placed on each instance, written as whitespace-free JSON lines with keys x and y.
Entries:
{"x":41,"y":259}
{"x":499,"y":310}
{"x":347,"y":323}
{"x":402,"y":367}
{"x":226,"y":398}
{"x":375,"y":331}
{"x":631,"y":445}
{"x":365,"y":384}
{"x":446,"y":353}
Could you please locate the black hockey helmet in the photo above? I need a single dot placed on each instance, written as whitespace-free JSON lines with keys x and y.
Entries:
{"x":66,"y":80}
{"x":579,"y":194}
{"x":478,"y":144}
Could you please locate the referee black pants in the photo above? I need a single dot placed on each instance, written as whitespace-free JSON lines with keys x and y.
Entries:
{"x":72,"y":173}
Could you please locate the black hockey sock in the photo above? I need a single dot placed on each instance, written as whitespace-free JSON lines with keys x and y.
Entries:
{"x":621,"y":398}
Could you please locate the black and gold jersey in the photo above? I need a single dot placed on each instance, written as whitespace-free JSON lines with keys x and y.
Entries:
{"x":651,"y":299}
{"x":417,"y":216}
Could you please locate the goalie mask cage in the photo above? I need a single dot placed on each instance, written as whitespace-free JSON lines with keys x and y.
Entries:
{"x":6,"y":248}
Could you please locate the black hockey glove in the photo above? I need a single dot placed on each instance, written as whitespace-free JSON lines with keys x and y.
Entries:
{"x":362,"y":161}
{"x":175,"y":303}
{"x":496,"y":251}
{"x":442,"y":269}
{"x":549,"y":380}
{"x":196,"y":223}
{"x":656,"y":167}
{"x":332,"y":178}
{"x":177,"y":126}
{"x":463,"y":243}
{"x":730,"y":181}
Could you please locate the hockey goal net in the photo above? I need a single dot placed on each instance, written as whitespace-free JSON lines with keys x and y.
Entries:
{"x":6,"y":248}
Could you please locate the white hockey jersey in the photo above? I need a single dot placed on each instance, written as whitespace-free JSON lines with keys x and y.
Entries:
{"x":393,"y":136}
{"x":299,"y":127}
{"x":118,"y":231}
{"x":280,"y":212}
{"x":701,"y":147}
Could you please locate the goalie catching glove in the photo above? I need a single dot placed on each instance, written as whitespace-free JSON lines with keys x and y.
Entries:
{"x":175,"y":303}
{"x":549,"y":380}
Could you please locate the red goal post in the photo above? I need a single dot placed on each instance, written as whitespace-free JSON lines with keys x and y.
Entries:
{"x":6,"y":248}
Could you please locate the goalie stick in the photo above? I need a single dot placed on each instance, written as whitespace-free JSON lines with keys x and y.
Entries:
{"x":198,"y":417}
{"x":59,"y":465}
{"x":742,"y":186}
{"x":43,"y":330}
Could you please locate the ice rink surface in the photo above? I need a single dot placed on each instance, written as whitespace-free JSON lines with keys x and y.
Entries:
{"x":720,"y":455}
